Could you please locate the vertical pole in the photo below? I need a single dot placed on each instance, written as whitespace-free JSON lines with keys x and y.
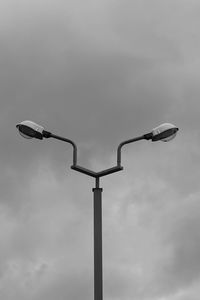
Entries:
{"x":98,"y":272}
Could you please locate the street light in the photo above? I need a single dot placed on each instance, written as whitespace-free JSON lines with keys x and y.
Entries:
{"x":164,"y":132}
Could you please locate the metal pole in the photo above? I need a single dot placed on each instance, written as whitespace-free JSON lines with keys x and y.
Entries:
{"x":98,"y":269}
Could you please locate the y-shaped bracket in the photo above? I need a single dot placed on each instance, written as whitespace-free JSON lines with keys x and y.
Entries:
{"x":91,"y":173}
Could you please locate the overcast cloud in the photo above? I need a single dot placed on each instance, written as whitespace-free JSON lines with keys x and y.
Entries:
{"x":100,"y":72}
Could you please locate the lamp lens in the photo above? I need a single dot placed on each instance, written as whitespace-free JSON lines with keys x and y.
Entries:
{"x":165,"y":135}
{"x":26,"y":131}
{"x":169,"y":138}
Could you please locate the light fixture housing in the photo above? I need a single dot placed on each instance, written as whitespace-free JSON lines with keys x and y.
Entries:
{"x":29,"y":130}
{"x":164,"y":132}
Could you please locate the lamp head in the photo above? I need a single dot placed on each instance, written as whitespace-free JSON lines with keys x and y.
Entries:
{"x":29,"y":130}
{"x":164,"y":132}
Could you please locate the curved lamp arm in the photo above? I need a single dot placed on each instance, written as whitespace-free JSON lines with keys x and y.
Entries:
{"x":147,"y":136}
{"x":47,"y":134}
{"x":29,"y":130}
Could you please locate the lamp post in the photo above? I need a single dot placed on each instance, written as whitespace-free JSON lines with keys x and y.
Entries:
{"x":165,"y":132}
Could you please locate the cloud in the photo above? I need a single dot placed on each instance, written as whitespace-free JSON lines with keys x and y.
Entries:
{"x":99,"y":72}
{"x":183,"y":237}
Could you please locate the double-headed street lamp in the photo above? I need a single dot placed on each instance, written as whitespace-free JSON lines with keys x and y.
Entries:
{"x":165,"y":132}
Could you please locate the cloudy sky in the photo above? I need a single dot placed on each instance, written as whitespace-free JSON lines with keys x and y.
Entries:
{"x":100,"y":72}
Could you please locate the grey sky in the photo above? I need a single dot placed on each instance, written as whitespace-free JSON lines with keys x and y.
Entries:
{"x":100,"y":72}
